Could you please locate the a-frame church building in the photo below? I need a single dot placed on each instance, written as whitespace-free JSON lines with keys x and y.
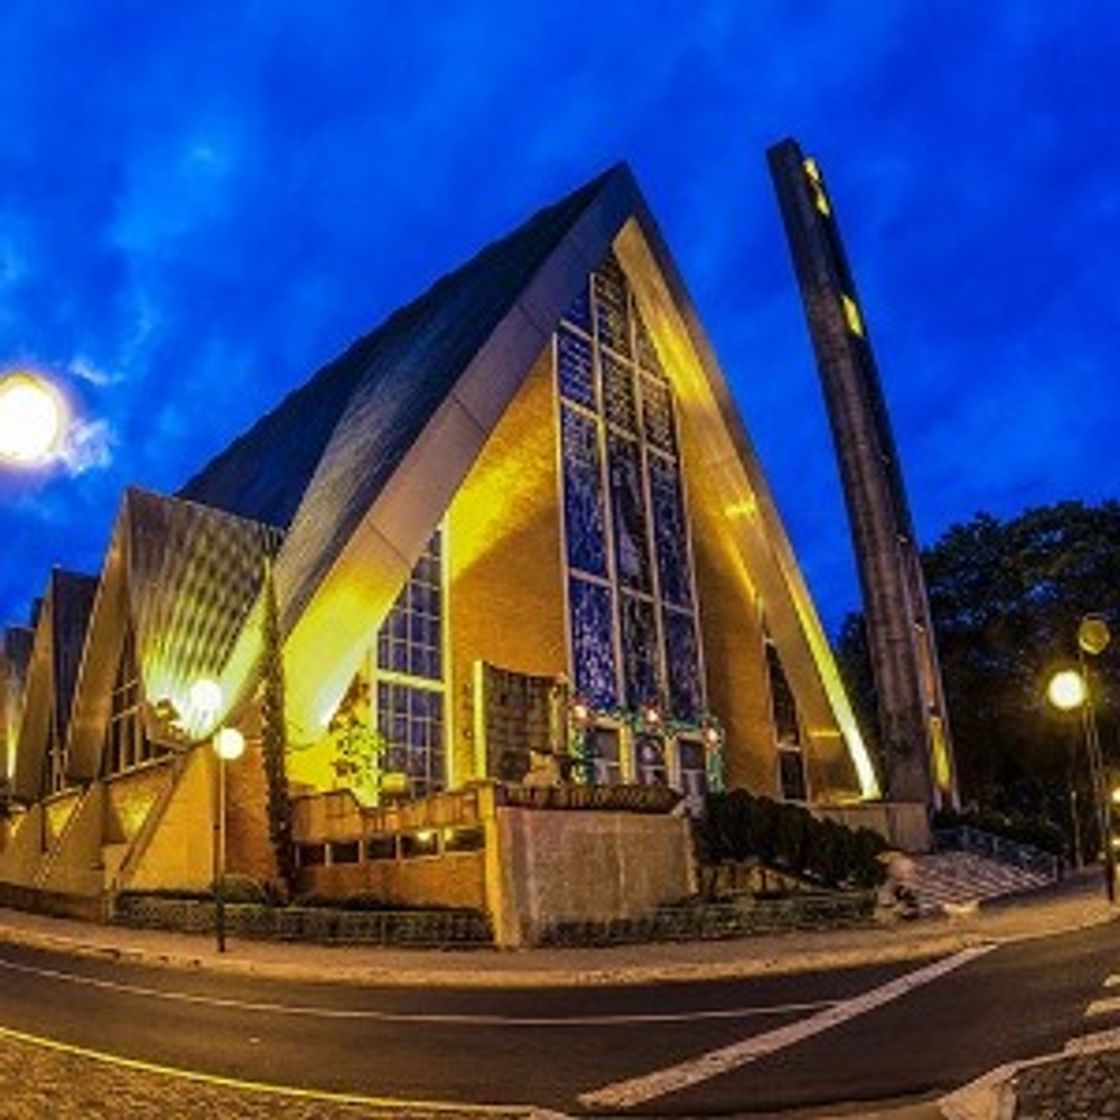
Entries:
{"x":520,"y":545}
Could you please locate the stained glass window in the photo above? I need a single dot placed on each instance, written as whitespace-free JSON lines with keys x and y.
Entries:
{"x":682,"y":655}
{"x":657,"y":414}
{"x":579,"y":313}
{"x":673,"y":566}
{"x":583,"y":493}
{"x":619,"y":399}
{"x":611,"y":316}
{"x":628,"y":507}
{"x":592,"y":621}
{"x":639,"y":651}
{"x":576,"y":368}
{"x":634,"y":635}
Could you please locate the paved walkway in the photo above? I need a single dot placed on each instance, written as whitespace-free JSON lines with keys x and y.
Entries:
{"x":1071,"y":1086}
{"x":1071,"y":906}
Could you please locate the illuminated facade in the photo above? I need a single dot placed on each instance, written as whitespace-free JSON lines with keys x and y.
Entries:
{"x":517,"y":534}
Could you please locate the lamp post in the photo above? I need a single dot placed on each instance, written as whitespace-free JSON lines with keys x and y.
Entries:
{"x":205,"y":705}
{"x":1070,"y":690}
{"x":229,"y":745}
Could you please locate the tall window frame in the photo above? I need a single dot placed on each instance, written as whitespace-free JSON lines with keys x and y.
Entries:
{"x":408,"y":669}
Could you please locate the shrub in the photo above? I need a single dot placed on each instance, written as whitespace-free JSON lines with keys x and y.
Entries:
{"x":739,"y":826}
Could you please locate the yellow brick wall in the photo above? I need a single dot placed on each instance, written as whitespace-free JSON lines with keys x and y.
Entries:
{"x":504,"y":554}
{"x":129,"y":797}
{"x":730,"y":621}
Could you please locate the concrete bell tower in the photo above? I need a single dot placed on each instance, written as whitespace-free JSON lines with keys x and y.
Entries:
{"x":914,"y":726}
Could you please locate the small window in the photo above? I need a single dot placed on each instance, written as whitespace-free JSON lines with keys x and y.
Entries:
{"x":312,"y":855}
{"x":345,"y":851}
{"x":423,"y":843}
{"x":381,"y":847}
{"x":791,"y":775}
{"x":464,"y":840}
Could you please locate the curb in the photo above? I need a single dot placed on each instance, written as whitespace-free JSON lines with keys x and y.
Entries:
{"x":992,"y":1096}
{"x":791,"y":963}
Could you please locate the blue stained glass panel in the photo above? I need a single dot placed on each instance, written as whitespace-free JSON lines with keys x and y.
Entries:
{"x":657,"y":414}
{"x":619,"y":399}
{"x":628,"y":506}
{"x":583,"y":493}
{"x":592,"y":627}
{"x":576,"y":368}
{"x":639,"y":651}
{"x":686,"y":694}
{"x":670,"y":535}
{"x":580,"y":312}
{"x":611,"y":317}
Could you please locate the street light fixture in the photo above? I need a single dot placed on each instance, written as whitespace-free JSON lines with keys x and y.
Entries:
{"x":229,"y":746}
{"x":1070,"y":690}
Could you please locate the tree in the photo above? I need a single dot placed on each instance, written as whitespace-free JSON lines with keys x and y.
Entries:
{"x":274,"y":738}
{"x":1006,"y":598}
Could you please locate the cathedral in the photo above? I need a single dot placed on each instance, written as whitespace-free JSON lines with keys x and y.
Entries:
{"x":533,"y":600}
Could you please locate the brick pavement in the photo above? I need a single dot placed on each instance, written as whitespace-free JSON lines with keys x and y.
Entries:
{"x":1086,"y":1087}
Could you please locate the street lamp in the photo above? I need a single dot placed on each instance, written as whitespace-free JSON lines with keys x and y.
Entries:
{"x":1070,"y":690}
{"x":32,"y":418}
{"x":229,"y":745}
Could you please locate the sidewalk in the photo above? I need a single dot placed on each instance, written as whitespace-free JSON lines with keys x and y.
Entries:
{"x":1072,"y":905}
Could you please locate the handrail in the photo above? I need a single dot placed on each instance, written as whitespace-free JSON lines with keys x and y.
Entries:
{"x":1014,"y":853}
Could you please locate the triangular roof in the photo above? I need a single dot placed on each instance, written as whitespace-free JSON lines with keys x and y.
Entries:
{"x":183,"y":579}
{"x":401,"y":371}
{"x":434,"y":387}
{"x":59,"y":637}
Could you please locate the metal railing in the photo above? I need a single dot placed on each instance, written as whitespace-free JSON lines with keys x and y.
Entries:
{"x":999,"y":849}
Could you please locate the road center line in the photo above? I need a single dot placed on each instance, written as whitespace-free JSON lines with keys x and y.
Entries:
{"x":637,"y":1090}
{"x":417,"y":1016}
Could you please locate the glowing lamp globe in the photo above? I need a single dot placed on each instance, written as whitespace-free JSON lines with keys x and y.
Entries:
{"x":31,"y":418}
{"x":206,"y":696}
{"x":1067,"y":690}
{"x":229,"y":744}
{"x":1093,"y":634}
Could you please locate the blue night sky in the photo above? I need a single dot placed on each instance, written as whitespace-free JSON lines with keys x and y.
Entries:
{"x":201,"y":203}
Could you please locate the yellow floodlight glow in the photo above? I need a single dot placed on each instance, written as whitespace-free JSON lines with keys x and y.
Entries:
{"x":1067,"y":690}
{"x":1116,"y":796}
{"x":852,"y":315}
{"x":32,"y":419}
{"x":229,"y":744}
{"x":816,"y":185}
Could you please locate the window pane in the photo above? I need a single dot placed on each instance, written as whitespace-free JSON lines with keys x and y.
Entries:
{"x":639,"y":651}
{"x":592,"y":643}
{"x":575,"y":367}
{"x":628,"y":506}
{"x":682,"y":659}
{"x":583,"y":493}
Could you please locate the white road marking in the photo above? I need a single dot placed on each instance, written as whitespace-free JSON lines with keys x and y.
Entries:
{"x":637,"y":1090}
{"x":419,"y":1016}
{"x":1113,"y":980}
{"x":1103,"y":1007}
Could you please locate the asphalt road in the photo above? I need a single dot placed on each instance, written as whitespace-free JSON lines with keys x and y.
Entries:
{"x":550,"y":1047}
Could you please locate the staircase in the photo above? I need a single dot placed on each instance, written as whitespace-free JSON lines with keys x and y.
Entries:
{"x":971,"y":866}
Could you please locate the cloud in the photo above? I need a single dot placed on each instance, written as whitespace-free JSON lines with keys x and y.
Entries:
{"x":85,"y":370}
{"x":88,"y":447}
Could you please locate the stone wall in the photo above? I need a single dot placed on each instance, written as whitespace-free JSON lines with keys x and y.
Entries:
{"x":554,"y":867}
